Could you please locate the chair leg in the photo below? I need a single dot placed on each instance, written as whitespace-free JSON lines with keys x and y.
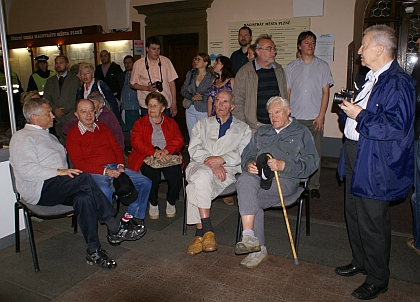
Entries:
{"x":184,"y":223}
{"x":31,"y":240}
{"x":74,"y":223}
{"x":239,"y":229}
{"x":298,"y":223}
{"x":308,"y":213}
{"x":17,"y":228}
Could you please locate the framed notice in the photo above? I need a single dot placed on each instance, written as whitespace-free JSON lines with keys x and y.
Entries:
{"x":283,"y":31}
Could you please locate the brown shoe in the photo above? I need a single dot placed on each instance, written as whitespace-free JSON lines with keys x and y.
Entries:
{"x":228,"y":201}
{"x":196,"y":246}
{"x":209,"y":242}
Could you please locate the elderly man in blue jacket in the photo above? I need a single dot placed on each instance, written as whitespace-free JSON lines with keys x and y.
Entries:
{"x":377,"y":159}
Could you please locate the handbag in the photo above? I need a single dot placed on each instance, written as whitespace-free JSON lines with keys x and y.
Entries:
{"x":157,"y":164}
{"x":186,"y":103}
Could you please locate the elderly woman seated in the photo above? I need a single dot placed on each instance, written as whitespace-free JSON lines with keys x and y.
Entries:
{"x":294,"y":157}
{"x":158,"y":136}
{"x":102,"y":115}
{"x":215,"y":150}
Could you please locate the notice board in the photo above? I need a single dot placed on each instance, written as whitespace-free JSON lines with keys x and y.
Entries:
{"x":283,"y":31}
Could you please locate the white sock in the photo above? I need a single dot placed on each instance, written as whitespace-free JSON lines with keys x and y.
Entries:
{"x":248,"y":232}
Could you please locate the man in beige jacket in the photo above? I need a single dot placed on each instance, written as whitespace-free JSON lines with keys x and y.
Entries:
{"x":215,"y":150}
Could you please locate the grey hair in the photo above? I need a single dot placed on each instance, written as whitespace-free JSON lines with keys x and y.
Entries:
{"x":96,"y":96}
{"x":383,"y":35}
{"x":232,"y":99}
{"x":262,"y":37}
{"x":33,"y":106}
{"x":279,"y":99}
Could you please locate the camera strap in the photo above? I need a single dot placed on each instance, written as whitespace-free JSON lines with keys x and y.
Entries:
{"x":147,"y":68}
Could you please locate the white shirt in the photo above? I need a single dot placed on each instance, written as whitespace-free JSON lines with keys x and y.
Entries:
{"x":362,"y":99}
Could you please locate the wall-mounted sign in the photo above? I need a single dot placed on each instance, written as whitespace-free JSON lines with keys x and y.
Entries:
{"x":75,"y":31}
{"x":283,"y":31}
{"x":138,"y":47}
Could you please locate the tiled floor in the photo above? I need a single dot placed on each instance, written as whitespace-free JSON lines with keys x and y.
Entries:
{"x":156,"y":268}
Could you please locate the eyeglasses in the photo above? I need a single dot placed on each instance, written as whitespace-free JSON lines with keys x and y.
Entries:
{"x":268,"y":48}
{"x":198,"y":59}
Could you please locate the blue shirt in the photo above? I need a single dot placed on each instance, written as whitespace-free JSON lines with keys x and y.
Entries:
{"x":225,"y":126}
{"x":238,"y":59}
{"x":128,"y":95}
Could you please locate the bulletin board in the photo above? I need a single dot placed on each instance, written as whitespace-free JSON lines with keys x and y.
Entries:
{"x":283,"y":31}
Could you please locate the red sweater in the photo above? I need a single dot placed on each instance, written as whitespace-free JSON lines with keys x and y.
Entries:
{"x":91,"y":151}
{"x":141,"y":140}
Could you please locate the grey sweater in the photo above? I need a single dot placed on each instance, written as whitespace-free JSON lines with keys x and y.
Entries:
{"x":35,"y":156}
{"x":293,"y":144}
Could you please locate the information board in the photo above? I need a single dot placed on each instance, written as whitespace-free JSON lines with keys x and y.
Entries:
{"x":283,"y":31}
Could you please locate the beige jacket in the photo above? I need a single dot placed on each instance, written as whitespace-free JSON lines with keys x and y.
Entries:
{"x":245,"y":93}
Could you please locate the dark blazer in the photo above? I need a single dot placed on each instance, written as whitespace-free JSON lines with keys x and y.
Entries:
{"x":67,"y":97}
{"x":111,"y":77}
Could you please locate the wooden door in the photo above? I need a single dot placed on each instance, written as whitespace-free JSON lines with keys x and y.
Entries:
{"x":180,"y":49}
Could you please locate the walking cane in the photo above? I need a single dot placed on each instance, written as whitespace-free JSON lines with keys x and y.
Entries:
{"x":292,"y":245}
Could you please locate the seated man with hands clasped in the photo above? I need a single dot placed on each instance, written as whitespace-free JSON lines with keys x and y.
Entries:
{"x":43,"y":178}
{"x":92,"y":148}
{"x":215,"y":150}
{"x":294,"y":157}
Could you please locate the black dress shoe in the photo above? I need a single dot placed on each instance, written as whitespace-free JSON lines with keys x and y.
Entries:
{"x":315,"y":193}
{"x":368,"y":291}
{"x":348,"y":270}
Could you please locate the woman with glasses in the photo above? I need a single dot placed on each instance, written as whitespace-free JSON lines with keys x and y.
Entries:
{"x":196,"y":90}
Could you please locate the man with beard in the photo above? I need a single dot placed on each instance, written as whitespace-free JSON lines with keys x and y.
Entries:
{"x":240,"y":57}
{"x":60,"y":91}
{"x":130,"y":105}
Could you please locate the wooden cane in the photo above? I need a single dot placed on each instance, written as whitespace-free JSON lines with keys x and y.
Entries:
{"x":286,"y":218}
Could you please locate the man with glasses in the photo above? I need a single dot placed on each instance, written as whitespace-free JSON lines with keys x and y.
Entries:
{"x":240,"y":57}
{"x":377,"y":159}
{"x":308,"y":86}
{"x":256,"y":82}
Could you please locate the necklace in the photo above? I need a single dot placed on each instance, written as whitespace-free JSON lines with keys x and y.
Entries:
{"x":161,"y":120}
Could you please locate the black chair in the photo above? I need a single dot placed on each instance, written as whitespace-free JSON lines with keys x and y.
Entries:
{"x":42,"y":212}
{"x":301,"y":195}
{"x":228,"y":191}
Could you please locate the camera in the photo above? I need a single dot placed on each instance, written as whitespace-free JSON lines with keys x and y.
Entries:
{"x":344,"y":95}
{"x":158,"y":85}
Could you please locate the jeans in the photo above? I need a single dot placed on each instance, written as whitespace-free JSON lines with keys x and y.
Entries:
{"x":415,"y":203}
{"x":142,"y":184}
{"x":192,"y":116}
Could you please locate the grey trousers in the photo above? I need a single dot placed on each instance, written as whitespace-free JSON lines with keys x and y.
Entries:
{"x":252,"y":200}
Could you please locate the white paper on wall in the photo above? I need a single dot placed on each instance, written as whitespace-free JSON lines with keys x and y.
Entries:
{"x":308,"y":8}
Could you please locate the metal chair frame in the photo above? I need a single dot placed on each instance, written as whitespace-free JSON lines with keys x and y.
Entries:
{"x":303,"y":196}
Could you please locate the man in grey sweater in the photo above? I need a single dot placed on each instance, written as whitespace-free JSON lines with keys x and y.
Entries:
{"x":294,"y":157}
{"x":43,"y":178}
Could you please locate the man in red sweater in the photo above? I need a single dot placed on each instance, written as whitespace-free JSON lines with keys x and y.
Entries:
{"x":93,"y":149}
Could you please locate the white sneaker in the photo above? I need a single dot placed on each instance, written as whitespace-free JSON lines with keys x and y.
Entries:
{"x":254,"y":259}
{"x":153,"y":211}
{"x":170,"y":210}
{"x":249,"y":244}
